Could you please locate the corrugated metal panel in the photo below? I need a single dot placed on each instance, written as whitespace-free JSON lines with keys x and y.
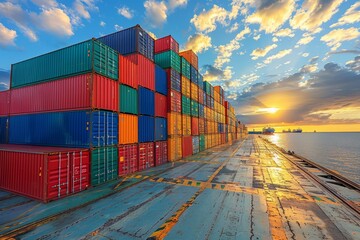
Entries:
{"x":161,"y":154}
{"x":131,"y":40}
{"x":193,"y":75}
{"x":161,"y":84}
{"x":201,"y":126}
{"x":161,"y":107}
{"x":187,"y":146}
{"x":200,"y":80}
{"x":201,"y":96}
{"x":202,"y":142}
{"x":146,"y":70}
{"x":128,"y":128}
{"x":201,"y":111}
{"x":128,"y":159}
{"x":146,"y":129}
{"x":146,"y":155}
{"x":185,"y":103}
{"x":174,"y":148}
{"x":104,"y":164}
{"x":168,"y":59}
{"x":186,"y":125}
{"x":65,"y":129}
{"x":194,"y":91}
{"x":165,"y":44}
{"x":174,"y":101}
{"x":43,"y":173}
{"x":185,"y":86}
{"x":128,"y":72}
{"x":194,"y":108}
{"x":194,"y":126}
{"x":191,"y":57}
{"x":84,"y":57}
{"x":4,"y":103}
{"x":174,"y":79}
{"x":4,"y":129}
{"x":87,"y":91}
{"x":160,"y":129}
{"x":195,"y":143}
{"x":146,"y":102}
{"x":185,"y":68}
{"x":128,"y":99}
{"x":174,"y":123}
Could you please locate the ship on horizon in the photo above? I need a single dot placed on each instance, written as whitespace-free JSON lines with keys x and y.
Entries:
{"x":298,"y":130}
{"x":268,"y":130}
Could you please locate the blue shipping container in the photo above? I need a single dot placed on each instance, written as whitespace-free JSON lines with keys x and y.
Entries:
{"x":146,"y":129}
{"x":174,"y":79}
{"x":160,"y":80}
{"x":195,"y":143}
{"x":201,"y":111}
{"x":193,"y":75}
{"x":3,"y":129}
{"x":146,"y":102}
{"x":160,"y":129}
{"x":200,"y":80}
{"x":131,"y":40}
{"x":65,"y":129}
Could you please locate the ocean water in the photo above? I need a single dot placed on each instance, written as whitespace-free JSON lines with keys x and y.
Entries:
{"x":336,"y":151}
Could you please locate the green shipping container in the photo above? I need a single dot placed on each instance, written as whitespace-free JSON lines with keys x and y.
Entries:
{"x":88,"y":56}
{"x":202,"y":142}
{"x":207,"y":88}
{"x":104,"y":164}
{"x":185,"y":68}
{"x":128,"y":99}
{"x":185,"y":105}
{"x":168,"y":59}
{"x":194,"y":108}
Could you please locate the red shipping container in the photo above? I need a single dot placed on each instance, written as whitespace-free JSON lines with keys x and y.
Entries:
{"x":128,"y":72}
{"x":201,"y":96}
{"x":160,"y":105}
{"x":76,"y":92}
{"x":174,"y":101}
{"x":160,"y":153}
{"x":146,"y":70}
{"x":146,"y":155}
{"x":4,"y":103}
{"x":43,"y":173}
{"x":187,"y":146}
{"x":165,"y":44}
{"x":194,"y":126}
{"x":128,"y":159}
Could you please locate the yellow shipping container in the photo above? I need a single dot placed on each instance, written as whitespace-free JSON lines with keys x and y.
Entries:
{"x":185,"y":86}
{"x":186,"y":125}
{"x":174,"y":123}
{"x":194,"y":92}
{"x":216,"y":96}
{"x":174,"y":148}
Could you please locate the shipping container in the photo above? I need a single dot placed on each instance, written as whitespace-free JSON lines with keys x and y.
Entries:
{"x":146,"y":102}
{"x":174,"y":101}
{"x":201,"y":126}
{"x":173,"y":79}
{"x":146,"y":155}
{"x":186,"y":125}
{"x":194,"y":126}
{"x":165,"y":44}
{"x":185,"y":68}
{"x":160,"y":129}
{"x":128,"y":128}
{"x":161,"y":105}
{"x":222,"y":138}
{"x":206,"y":87}
{"x":131,"y":40}
{"x":201,"y":96}
{"x":85,"y":57}
{"x":193,"y":75}
{"x":128,"y":72}
{"x":4,"y":103}
{"x":201,"y":111}
{"x":128,"y":159}
{"x":200,"y":80}
{"x":65,"y":129}
{"x":187,"y":146}
{"x":195,"y":144}
{"x":185,"y":105}
{"x":194,"y":92}
{"x":43,"y":173}
{"x":194,"y":108}
{"x":174,"y":148}
{"x":202,"y":142}
{"x":146,"y":70}
{"x":146,"y":129}
{"x":104,"y":165}
{"x":160,"y":80}
{"x":4,"y":129}
{"x":168,"y":59}
{"x":185,"y":86}
{"x":174,"y":123}
{"x":160,"y":153}
{"x":128,"y":99}
{"x":191,"y":57}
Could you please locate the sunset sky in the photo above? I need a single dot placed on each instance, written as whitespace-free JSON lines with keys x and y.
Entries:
{"x":282,"y":63}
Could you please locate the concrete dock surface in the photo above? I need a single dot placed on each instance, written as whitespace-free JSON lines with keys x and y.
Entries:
{"x":245,"y":190}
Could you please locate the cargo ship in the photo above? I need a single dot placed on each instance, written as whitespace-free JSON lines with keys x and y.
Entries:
{"x":298,"y":130}
{"x":268,"y":130}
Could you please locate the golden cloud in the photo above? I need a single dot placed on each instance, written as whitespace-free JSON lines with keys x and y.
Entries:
{"x":352,"y":15}
{"x":198,"y":43}
{"x":279,"y":55}
{"x":286,"y":32}
{"x":7,"y":36}
{"x":259,"y":52}
{"x":334,"y":38}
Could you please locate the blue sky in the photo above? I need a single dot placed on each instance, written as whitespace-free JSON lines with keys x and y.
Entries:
{"x":266,"y":54}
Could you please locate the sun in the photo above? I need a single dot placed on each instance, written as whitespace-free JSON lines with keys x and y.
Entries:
{"x":268,"y":110}
{"x":272,"y":110}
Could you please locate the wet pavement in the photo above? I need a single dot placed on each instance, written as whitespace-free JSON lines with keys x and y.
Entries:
{"x":247,"y":190}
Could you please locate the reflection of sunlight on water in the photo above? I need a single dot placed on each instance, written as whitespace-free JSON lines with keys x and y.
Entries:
{"x":274,"y":139}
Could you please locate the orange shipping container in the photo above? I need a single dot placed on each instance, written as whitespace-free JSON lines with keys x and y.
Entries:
{"x":217,"y":96}
{"x":128,"y":128}
{"x":174,"y":149}
{"x":194,"y":92}
{"x":174,"y":123}
{"x":185,"y":86}
{"x":191,"y":57}
{"x":201,"y":126}
{"x":201,"y":96}
{"x":186,"y":125}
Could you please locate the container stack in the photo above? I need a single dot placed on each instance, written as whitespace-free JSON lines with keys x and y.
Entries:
{"x":4,"y":115}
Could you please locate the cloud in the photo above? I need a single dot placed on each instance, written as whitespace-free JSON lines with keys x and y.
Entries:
{"x":45,"y":3}
{"x":314,"y":13}
{"x":102,"y":24}
{"x":207,"y":20}
{"x":314,"y":60}
{"x":334,"y":38}
{"x":354,"y":64}
{"x":305,"y":54}
{"x":155,"y":12}
{"x":83,"y":7}
{"x":305,"y":40}
{"x":176,"y":3}
{"x":257,"y":37}
{"x":233,"y":28}
{"x":344,"y":51}
{"x":351,"y":16}
{"x":215,"y":74}
{"x":118,"y":27}
{"x":309,"y":68}
{"x":198,"y":43}
{"x":7,"y":36}
{"x":286,"y":32}
{"x":275,"y":39}
{"x":279,"y":55}
{"x":271,"y":14}
{"x":261,"y":52}
{"x":126,"y":12}
{"x":53,"y":20}
{"x":4,"y":79}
